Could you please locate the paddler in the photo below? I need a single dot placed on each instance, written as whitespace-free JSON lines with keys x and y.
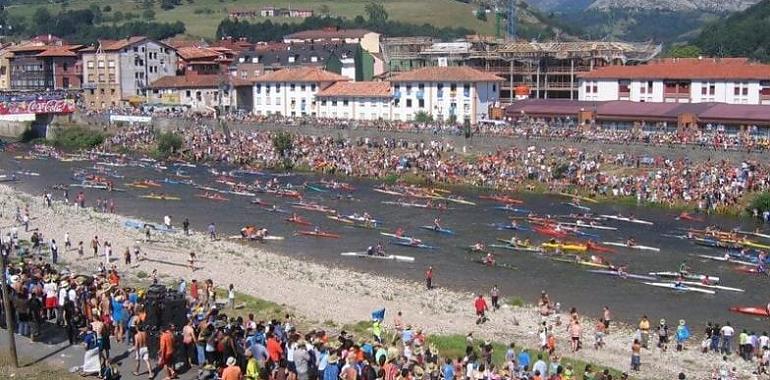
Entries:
{"x":631,"y":242}
{"x":479,"y":247}
{"x":683,"y":268}
{"x":489,"y":259}
{"x":437,"y":224}
{"x":706,"y":280}
{"x":622,"y":271}
{"x":399,"y":232}
{"x":379,"y":250}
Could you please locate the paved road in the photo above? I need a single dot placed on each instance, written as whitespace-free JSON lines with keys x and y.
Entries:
{"x":53,"y":350}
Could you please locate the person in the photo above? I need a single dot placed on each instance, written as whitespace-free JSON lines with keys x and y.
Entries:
{"x":167,"y":221}
{"x":727,"y":332}
{"x":663,"y":335}
{"x":231,"y":296}
{"x":54,"y":252}
{"x":252,"y":366}
{"x":95,"y":246}
{"x":489,"y":259}
{"x":141,"y":352}
{"x":188,"y":342}
{"x":644,"y":329}
{"x":91,"y":360}
{"x":636,"y":359}
{"x":575,"y":331}
{"x":186,"y":227}
{"x":601,"y":329}
{"x":682,"y":335}
{"x":607,"y":318}
{"x":429,"y":278}
{"x":166,"y":352}
{"x":480,"y":305}
{"x":191,"y":261}
{"x":495,"y":296}
{"x":232,"y":371}
{"x":212,"y":231}
{"x":683,"y":268}
{"x":437,"y":223}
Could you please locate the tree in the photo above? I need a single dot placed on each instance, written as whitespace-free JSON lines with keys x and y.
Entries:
{"x":684,"y":51}
{"x":42,"y":18}
{"x":324,"y":10}
{"x":168,"y":143}
{"x":148,"y":14}
{"x":107,"y":9}
{"x":376,"y":13}
{"x":169,"y":4}
{"x":481,"y":14}
{"x":283,"y":142}
{"x":423,"y":117}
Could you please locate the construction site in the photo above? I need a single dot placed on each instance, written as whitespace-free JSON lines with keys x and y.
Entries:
{"x":531,"y":69}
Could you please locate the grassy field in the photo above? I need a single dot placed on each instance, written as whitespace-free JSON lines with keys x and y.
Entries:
{"x":201,"y":17}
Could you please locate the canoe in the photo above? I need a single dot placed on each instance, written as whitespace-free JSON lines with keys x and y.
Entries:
{"x":577,"y":206}
{"x":407,"y":259}
{"x":626,"y":275}
{"x":627,"y":219}
{"x":689,"y":276}
{"x":160,"y":197}
{"x":637,"y":246}
{"x":513,"y":209}
{"x":438,"y":230}
{"x":406,"y":243}
{"x":496,"y":265}
{"x":300,"y":221}
{"x":581,"y":262}
{"x":320,"y":234}
{"x":751,"y":310}
{"x":715,"y":287}
{"x":565,"y":247}
{"x":683,"y":288}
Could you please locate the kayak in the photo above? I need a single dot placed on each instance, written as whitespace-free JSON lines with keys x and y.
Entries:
{"x":750,"y":310}
{"x":573,"y":196}
{"x":682,"y":288}
{"x":160,"y":197}
{"x":388,"y":192}
{"x":565,"y":247}
{"x":625,"y":275}
{"x":580,"y":223}
{"x":513,"y":209}
{"x":415,"y":205}
{"x":581,"y":262}
{"x":260,"y":202}
{"x":515,"y":248}
{"x":716,"y":287}
{"x":268,"y":237}
{"x":690,"y":276}
{"x":459,"y":201}
{"x":407,"y":259}
{"x":496,"y":265}
{"x":311,"y":207}
{"x":358,"y":218}
{"x":636,"y":246}
{"x":300,"y":221}
{"x":277,"y":209}
{"x":752,"y":270}
{"x":504,"y":226}
{"x":725,"y":259}
{"x":585,"y":234}
{"x":242,"y":193}
{"x":756,"y":234}
{"x":599,"y":248}
{"x":406,"y":243}
{"x":401,"y":237}
{"x":550,"y":232}
{"x":439,"y":230}
{"x":502,"y":199}
{"x":316,"y":189}
{"x":340,"y":219}
{"x":320,"y":234}
{"x":627,"y":219}
{"x":577,"y":206}
{"x":217,"y":198}
{"x":749,"y":243}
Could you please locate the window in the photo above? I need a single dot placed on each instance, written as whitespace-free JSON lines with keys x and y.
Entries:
{"x":291,"y":87}
{"x":258,"y":102}
{"x":101,"y":64}
{"x":313,"y":59}
{"x":345,"y":102}
{"x":334,"y":103}
{"x":302,"y":87}
{"x":421,"y":103}
{"x":110,"y":63}
{"x":90,"y":64}
{"x":453,"y":87}
{"x":494,"y":88}
{"x":312,"y":87}
{"x":323,"y":102}
{"x":258,"y":88}
{"x":66,"y":82}
{"x":409,"y":103}
{"x":409,"y":89}
{"x":421,"y":86}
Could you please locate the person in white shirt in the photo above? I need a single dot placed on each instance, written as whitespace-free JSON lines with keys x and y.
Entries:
{"x":60,"y":306}
{"x":727,"y":333}
{"x":67,"y":242}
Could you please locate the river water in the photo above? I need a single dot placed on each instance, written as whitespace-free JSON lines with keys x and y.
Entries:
{"x":453,"y":265}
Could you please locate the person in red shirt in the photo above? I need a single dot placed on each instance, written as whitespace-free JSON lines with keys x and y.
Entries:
{"x":166,"y":352}
{"x":232,"y":371}
{"x":274,"y":350}
{"x":194,"y":290}
{"x":429,"y":278}
{"x":481,"y":307}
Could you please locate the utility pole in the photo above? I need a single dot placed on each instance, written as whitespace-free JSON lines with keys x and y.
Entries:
{"x":8,"y":317}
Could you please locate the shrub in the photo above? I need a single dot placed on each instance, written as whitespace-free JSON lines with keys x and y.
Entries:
{"x":168,"y":143}
{"x":76,"y":138}
{"x":761,"y":202}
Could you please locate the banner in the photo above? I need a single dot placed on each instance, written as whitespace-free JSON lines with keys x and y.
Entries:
{"x":37,"y":106}
{"x":131,"y":118}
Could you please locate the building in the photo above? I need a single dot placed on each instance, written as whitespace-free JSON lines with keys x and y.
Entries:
{"x":356,"y":100}
{"x":117,"y":72}
{"x":460,"y":94}
{"x":545,"y":69}
{"x":338,"y":57}
{"x":681,"y":80}
{"x":292,"y":92}
{"x":203,"y":60}
{"x":35,"y":66}
{"x":369,"y":41}
{"x":202,"y":93}
{"x":240,"y":13}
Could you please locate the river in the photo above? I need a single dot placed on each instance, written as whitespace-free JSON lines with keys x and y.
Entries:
{"x":569,"y":284}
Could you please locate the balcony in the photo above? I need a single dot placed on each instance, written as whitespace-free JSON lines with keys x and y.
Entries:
{"x":420,"y":94}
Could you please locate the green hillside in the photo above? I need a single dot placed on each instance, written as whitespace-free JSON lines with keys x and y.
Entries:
{"x":742,"y":34}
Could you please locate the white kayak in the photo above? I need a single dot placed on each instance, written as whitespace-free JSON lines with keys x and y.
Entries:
{"x":627,"y":219}
{"x":726,"y":260}
{"x":757,"y":234}
{"x":682,"y":288}
{"x":635,"y":246}
{"x":689,"y":276}
{"x":716,"y":287}
{"x":593,"y":226}
{"x":406,"y":259}
{"x":268,"y":237}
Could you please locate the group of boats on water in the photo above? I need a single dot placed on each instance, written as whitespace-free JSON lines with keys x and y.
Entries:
{"x":574,"y":238}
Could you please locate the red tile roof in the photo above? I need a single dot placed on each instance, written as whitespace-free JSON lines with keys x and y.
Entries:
{"x":195,"y":52}
{"x":446,"y":74}
{"x":190,"y":81}
{"x":328,"y":33}
{"x":358,"y":89}
{"x":60,"y":51}
{"x":686,"y":68}
{"x":301,"y":74}
{"x":112,"y":45}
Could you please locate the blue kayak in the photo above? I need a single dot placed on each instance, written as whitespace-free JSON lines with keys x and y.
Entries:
{"x":439,"y":230}
{"x":406,"y":243}
{"x":513,"y":209}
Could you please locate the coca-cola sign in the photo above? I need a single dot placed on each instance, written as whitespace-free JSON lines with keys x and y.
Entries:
{"x":37,"y":106}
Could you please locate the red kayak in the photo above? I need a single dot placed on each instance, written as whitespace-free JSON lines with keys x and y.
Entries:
{"x":298,"y":220}
{"x":502,"y":199}
{"x":320,"y":234}
{"x":596,"y":247}
{"x":550,"y":232}
{"x":749,"y":270}
{"x":750,"y":310}
{"x":688,"y":217}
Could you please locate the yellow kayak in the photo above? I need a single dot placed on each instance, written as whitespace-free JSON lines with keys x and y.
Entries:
{"x":137,"y":186}
{"x":565,"y":247}
{"x":749,"y":243}
{"x":160,"y":197}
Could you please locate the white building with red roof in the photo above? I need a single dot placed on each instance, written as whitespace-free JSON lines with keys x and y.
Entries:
{"x":680,"y":80}
{"x":292,"y":91}
{"x":356,"y":100}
